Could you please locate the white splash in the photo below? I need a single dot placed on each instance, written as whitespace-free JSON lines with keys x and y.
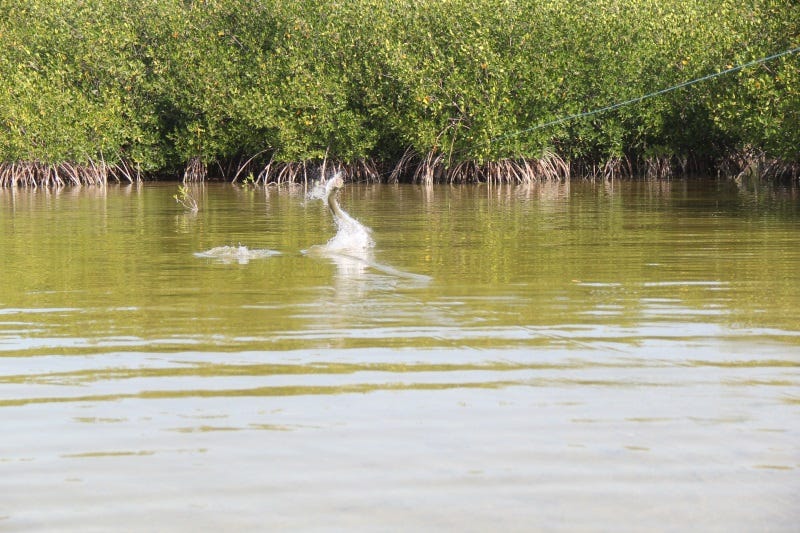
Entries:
{"x":320,"y":190}
{"x":351,"y":236}
{"x":236,"y":254}
{"x":351,"y":249}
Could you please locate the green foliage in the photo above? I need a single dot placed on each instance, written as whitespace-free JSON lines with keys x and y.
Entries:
{"x":185,"y":198}
{"x":158,"y":83}
{"x":68,"y":87}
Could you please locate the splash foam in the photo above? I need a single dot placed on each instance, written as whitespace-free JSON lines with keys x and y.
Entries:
{"x":235,"y":254}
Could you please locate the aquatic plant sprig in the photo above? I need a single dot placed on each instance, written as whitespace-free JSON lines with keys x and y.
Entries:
{"x":185,"y":198}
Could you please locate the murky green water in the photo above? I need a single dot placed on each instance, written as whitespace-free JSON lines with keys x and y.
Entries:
{"x":561,"y":357}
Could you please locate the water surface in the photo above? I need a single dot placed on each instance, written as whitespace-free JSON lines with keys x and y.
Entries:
{"x":613,"y":356}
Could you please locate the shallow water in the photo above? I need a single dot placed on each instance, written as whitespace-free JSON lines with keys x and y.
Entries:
{"x":559,"y":357}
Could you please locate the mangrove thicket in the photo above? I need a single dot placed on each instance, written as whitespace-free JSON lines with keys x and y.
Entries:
{"x":423,"y":90}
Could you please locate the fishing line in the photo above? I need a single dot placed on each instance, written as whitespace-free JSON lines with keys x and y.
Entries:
{"x":635,"y":100}
{"x":647,"y":96}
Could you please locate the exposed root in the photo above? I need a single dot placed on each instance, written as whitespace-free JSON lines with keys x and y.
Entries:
{"x":247,"y":166}
{"x":283,"y":172}
{"x":618,"y":168}
{"x":125,"y":171}
{"x":433,"y":168}
{"x":750,"y":164}
{"x":653,"y":167}
{"x":402,"y":166}
{"x":658,"y":167}
{"x":362,"y":170}
{"x":430,"y":168}
{"x":34,"y":174}
{"x":196,"y":170}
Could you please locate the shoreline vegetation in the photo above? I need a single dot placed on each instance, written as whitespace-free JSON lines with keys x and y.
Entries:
{"x":268,"y":91}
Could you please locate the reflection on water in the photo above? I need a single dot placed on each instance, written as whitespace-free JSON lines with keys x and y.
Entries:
{"x":558,"y":357}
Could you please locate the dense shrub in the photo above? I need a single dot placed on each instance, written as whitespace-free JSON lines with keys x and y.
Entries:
{"x":447,"y":89}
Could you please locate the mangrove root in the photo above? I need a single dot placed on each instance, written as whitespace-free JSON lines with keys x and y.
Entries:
{"x":34,"y":174}
{"x":196,"y":170}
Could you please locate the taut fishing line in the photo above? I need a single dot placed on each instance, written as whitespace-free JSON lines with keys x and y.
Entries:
{"x":646,"y":96}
